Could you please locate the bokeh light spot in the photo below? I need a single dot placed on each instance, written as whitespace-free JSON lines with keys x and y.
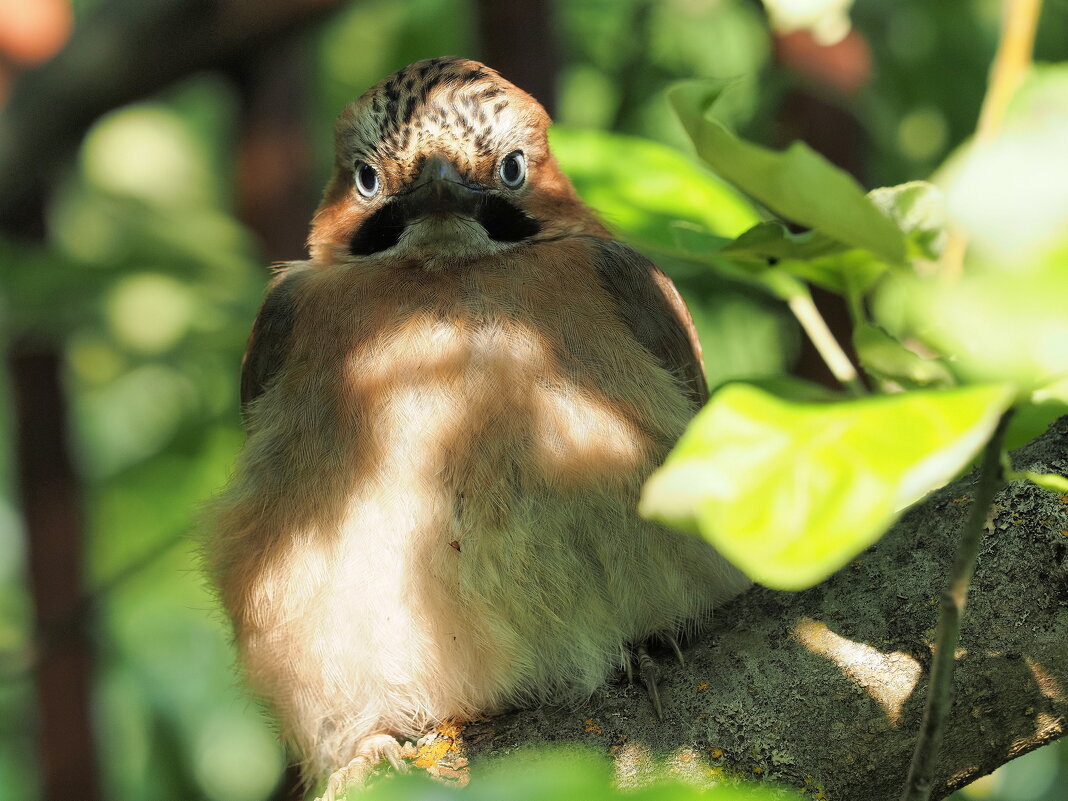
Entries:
{"x":150,"y":312}
{"x":147,"y":152}
{"x":922,"y":133}
{"x":236,"y":758}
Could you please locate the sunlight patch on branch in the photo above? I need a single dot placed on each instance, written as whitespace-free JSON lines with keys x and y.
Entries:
{"x":888,"y":678}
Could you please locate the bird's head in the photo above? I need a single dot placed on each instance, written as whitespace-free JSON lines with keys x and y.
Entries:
{"x":442,"y":163}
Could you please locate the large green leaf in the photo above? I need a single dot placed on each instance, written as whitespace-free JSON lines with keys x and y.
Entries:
{"x":995,"y":324}
{"x":640,"y":187}
{"x":789,"y":492}
{"x":1009,"y":193}
{"x":797,"y":184}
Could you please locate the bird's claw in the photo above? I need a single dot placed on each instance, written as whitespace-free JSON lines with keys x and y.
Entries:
{"x":675,"y":647}
{"x":370,"y":754}
{"x":647,"y":670}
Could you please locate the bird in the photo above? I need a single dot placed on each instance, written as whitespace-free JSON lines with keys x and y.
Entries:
{"x":450,"y":409}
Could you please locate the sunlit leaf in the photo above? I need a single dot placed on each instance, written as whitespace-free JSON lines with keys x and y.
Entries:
{"x":887,"y":359}
{"x":640,"y":187}
{"x":916,"y":208}
{"x":919,"y":211}
{"x":1010,"y":194}
{"x":810,"y":256}
{"x":996,"y":325}
{"x":797,"y":183}
{"x":1049,"y":481}
{"x":789,"y":492}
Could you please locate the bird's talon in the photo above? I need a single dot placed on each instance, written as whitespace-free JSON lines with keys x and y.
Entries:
{"x":371,"y":753}
{"x":675,"y":647}
{"x":647,"y":670}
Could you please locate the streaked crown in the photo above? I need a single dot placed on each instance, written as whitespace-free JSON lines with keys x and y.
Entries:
{"x":461,"y":121}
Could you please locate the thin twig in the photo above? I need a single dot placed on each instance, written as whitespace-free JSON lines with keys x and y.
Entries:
{"x":827,"y":346}
{"x":1011,"y":62}
{"x":939,"y":692}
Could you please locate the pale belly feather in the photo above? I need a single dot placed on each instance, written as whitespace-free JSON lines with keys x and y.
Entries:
{"x":483,"y":526}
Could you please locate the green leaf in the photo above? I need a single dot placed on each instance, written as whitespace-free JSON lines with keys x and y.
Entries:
{"x":1049,"y":481}
{"x":640,"y":187}
{"x":789,"y":492}
{"x":1054,"y":392}
{"x":556,"y":775}
{"x":692,"y":238}
{"x":797,"y":184}
{"x":996,"y":325}
{"x":1009,"y":193}
{"x":771,"y":240}
{"x":793,"y":388}
{"x":696,"y":244}
{"x":919,"y":211}
{"x":888,"y":360}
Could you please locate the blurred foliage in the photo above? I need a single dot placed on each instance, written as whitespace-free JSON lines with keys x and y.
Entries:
{"x":562,"y":775}
{"x":149,"y":285}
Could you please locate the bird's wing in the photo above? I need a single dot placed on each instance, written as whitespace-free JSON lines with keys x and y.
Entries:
{"x":268,"y":343}
{"x":655,"y":313}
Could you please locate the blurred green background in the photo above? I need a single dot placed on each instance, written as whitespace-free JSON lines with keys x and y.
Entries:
{"x":140,"y":274}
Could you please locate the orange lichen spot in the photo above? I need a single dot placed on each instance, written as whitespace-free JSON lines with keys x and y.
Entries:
{"x":450,"y":729}
{"x":961,"y":499}
{"x":592,"y":727}
{"x":704,"y":685}
{"x":716,"y":753}
{"x":1064,"y":531}
{"x":443,"y":755}
{"x":432,"y":753}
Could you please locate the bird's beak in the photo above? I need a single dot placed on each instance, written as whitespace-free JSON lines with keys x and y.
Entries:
{"x":439,"y":189}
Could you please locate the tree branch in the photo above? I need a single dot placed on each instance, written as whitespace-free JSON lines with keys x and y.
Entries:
{"x":826,"y":687}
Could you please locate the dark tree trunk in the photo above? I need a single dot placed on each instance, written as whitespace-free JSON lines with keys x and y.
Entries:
{"x":519,"y":41}
{"x":48,"y":485}
{"x":274,"y":195}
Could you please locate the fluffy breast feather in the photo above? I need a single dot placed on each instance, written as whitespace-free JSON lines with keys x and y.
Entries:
{"x":437,"y":501}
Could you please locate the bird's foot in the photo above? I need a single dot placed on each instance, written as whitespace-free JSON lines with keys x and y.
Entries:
{"x":648,"y":672}
{"x":372,"y":752}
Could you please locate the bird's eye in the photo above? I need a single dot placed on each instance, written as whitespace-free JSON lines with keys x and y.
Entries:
{"x":367,"y":179}
{"x":513,"y":170}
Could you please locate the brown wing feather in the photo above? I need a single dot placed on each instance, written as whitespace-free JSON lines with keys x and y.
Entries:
{"x":654,"y":311}
{"x":268,"y":343}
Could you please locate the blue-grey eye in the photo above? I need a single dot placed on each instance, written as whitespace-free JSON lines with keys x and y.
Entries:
{"x":513,"y":169}
{"x":367,"y":179}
